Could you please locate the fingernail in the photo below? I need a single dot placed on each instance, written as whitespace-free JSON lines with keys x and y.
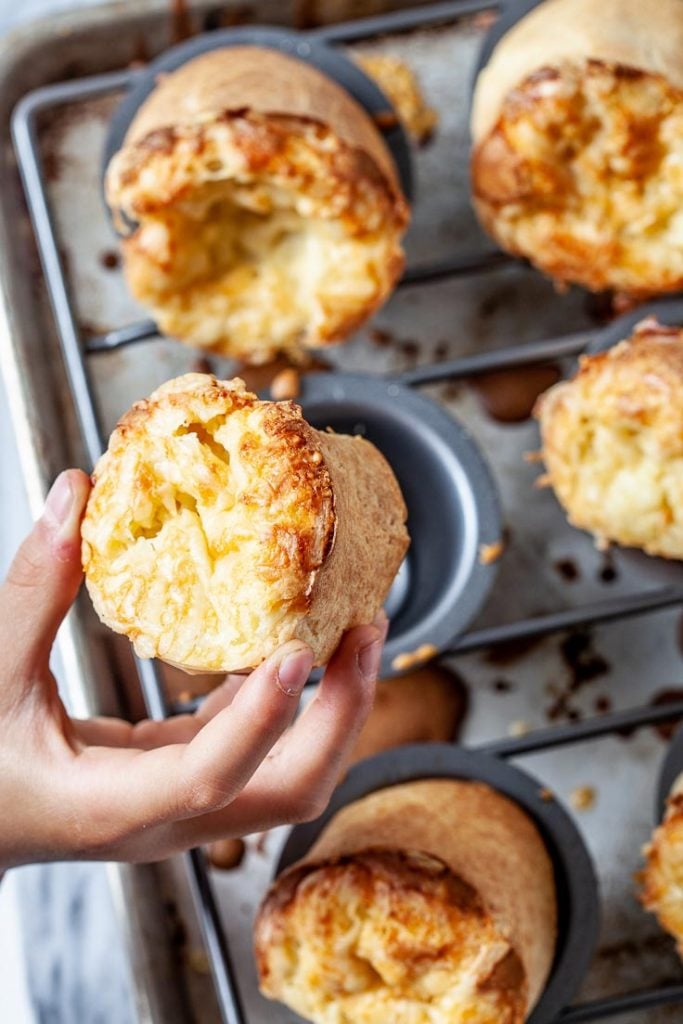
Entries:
{"x":294,"y":670}
{"x":369,"y":658}
{"x":59,"y":502}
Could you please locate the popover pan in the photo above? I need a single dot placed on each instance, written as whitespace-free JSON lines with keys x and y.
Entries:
{"x":328,"y":59}
{"x":452,"y":501}
{"x":575,"y":880}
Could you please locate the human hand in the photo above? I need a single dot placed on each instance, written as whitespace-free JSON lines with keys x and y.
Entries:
{"x":107,"y":789}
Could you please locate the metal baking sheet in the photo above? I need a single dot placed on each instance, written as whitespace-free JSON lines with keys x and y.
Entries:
{"x":546,"y":565}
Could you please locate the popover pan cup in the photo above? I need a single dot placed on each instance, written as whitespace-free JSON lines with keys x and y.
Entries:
{"x":330,"y":61}
{"x":452,"y":502}
{"x":575,"y":881}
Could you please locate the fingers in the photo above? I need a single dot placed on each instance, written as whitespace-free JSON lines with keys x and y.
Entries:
{"x":314,"y":752}
{"x":148,"y":734}
{"x":125,"y":790}
{"x":295,"y":784}
{"x":44,"y":577}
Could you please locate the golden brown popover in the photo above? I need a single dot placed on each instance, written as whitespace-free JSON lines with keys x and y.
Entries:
{"x":430,"y":902}
{"x":221,"y":526}
{"x":267,"y":211}
{"x":577,"y":129}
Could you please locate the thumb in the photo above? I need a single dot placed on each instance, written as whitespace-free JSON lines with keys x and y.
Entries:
{"x":44,"y":577}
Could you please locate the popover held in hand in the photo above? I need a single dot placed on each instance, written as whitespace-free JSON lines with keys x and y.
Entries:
{"x":431,"y":902}
{"x":613,"y":442}
{"x":267,"y":211}
{"x":221,"y":526}
{"x":577,"y":130}
{"x":662,"y":877}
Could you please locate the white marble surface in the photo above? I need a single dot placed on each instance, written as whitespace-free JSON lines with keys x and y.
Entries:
{"x":17,"y":1006}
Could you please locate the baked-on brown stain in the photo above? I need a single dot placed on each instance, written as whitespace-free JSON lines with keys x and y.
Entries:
{"x":425,"y":706}
{"x":666,"y":730}
{"x":181,"y":23}
{"x":509,"y":396}
{"x":567,"y":569}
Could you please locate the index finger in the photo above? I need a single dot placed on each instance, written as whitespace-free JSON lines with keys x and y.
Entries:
{"x":123,"y":790}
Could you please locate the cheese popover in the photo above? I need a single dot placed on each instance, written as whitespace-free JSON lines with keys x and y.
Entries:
{"x":431,"y":902}
{"x":662,"y":877}
{"x":266,"y":206}
{"x":220,"y":526}
{"x":577,"y":128}
{"x":613,"y":442}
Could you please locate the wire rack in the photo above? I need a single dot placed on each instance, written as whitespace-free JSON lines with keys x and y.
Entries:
{"x":78,"y":351}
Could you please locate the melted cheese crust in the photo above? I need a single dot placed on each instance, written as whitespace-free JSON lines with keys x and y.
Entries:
{"x":613,"y":442}
{"x":211,"y":513}
{"x":386,"y":936}
{"x":583,"y":175}
{"x":256,"y":233}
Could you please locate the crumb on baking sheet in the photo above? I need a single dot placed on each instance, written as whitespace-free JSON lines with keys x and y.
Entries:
{"x":518,"y":728}
{"x":542,"y":481}
{"x":546,"y":794}
{"x":582,"y":798}
{"x":489,"y":553}
{"x":226,"y":854}
{"x":533,"y":457}
{"x":286,"y":385}
{"x":409,"y":659}
{"x":401,"y":87}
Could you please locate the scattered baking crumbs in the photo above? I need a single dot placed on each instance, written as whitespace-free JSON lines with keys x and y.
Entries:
{"x":502,"y":685}
{"x":546,"y":795}
{"x":197,"y":960}
{"x":489,"y":553}
{"x":582,"y":798}
{"x":518,"y":728}
{"x":533,"y":456}
{"x":411,"y":658}
{"x":285,"y":385}
{"x":544,"y":480}
{"x":226,"y":854}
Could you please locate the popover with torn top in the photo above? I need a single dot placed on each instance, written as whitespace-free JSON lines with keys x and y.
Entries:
{"x":265,"y":209}
{"x":429,"y":902}
{"x":221,"y":526}
{"x":577,"y":128}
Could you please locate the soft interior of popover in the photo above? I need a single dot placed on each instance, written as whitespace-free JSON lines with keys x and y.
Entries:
{"x":246,"y":268}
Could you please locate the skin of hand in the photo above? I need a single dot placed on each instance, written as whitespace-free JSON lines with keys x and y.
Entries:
{"x":108,"y":789}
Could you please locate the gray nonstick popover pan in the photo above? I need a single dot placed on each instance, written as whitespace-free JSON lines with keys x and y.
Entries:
{"x":576,"y":884}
